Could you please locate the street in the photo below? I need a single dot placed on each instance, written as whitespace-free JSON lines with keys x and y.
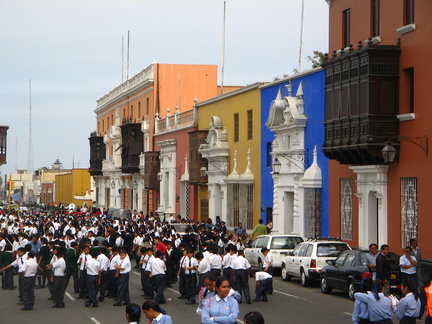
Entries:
{"x":290,"y":303}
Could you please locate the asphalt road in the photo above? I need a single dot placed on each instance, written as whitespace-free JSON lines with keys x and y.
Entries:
{"x":290,"y":303}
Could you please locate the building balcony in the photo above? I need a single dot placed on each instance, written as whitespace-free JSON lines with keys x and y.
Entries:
{"x":132,"y":146}
{"x":97,"y":153}
{"x":362,"y":90}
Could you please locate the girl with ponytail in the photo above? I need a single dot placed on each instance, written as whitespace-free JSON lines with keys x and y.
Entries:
{"x":407,"y":310}
{"x":379,"y":306}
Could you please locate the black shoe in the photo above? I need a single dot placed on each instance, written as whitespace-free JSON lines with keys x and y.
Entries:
{"x":190,"y":302}
{"x":162,"y":302}
{"x":54,"y":306}
{"x":26,"y":308}
{"x":51,"y":298}
{"x":181,"y":297}
{"x":101,"y":299}
{"x":61,"y":306}
{"x":148,"y":298}
{"x":117,"y":304}
{"x":12,"y":288}
{"x":249,"y":302}
{"x":125,"y":304}
{"x":256,"y":300}
{"x":87,"y":304}
{"x":95,"y":305}
{"x":38,"y":287}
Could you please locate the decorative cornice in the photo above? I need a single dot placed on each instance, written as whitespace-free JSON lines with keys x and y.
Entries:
{"x":329,"y":2}
{"x":145,"y":77}
{"x":406,"y":29}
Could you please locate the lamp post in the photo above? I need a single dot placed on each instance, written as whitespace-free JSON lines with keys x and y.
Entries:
{"x":276,"y":166}
{"x":388,"y":153}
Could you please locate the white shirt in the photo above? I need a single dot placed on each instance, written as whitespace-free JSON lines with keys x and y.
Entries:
{"x":261,"y":276}
{"x":158,"y":267}
{"x":149,"y":263}
{"x":29,"y":268}
{"x":190,"y":262}
{"x":59,"y":267}
{"x":144,"y":259}
{"x":204,"y":266}
{"x":104,"y":262}
{"x":216,"y":261}
{"x":125,"y":264}
{"x":226,"y":261}
{"x":115,"y":260}
{"x":240,"y":263}
{"x":83,"y":259}
{"x":92,"y":266}
{"x":207,"y":254}
{"x":2,"y":245}
{"x":268,"y":259}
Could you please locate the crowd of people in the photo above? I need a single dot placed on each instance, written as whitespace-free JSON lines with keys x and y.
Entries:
{"x":96,"y":255}
{"x":375,"y":304}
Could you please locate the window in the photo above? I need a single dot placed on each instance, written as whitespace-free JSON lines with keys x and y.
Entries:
{"x":303,"y":249}
{"x":346,"y":28}
{"x":409,"y":209}
{"x":147,"y":106}
{"x":341,"y":259}
{"x":139,"y":109}
{"x":249,"y":206}
{"x":375,"y":18}
{"x":249,"y":124}
{"x":409,"y":75}
{"x":346,"y":208}
{"x":349,"y":261}
{"x":269,"y":156}
{"x":409,"y":12}
{"x":236,"y":127}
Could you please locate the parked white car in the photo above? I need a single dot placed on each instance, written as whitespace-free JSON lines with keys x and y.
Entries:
{"x":279,"y":245}
{"x":308,"y":258}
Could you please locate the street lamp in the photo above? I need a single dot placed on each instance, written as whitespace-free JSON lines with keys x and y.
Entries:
{"x":159,"y":176}
{"x":276,"y":166}
{"x":388,"y":152}
{"x":112,"y":185}
{"x":203,"y":171}
{"x":135,"y":185}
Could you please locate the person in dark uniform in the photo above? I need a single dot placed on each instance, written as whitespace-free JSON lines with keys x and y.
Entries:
{"x":5,"y":259}
{"x":383,"y":268}
{"x":82,"y":260}
{"x":58,"y":268}
{"x":71,"y":259}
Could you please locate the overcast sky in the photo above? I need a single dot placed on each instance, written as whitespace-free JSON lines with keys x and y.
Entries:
{"x":72,"y":51}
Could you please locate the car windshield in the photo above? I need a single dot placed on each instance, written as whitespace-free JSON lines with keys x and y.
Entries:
{"x":285,"y":242}
{"x":331,"y":249}
{"x":181,"y":228}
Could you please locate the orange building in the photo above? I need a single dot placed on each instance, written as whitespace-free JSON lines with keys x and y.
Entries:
{"x":377,"y":93}
{"x":124,"y":159}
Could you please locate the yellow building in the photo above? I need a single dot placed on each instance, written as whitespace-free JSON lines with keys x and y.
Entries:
{"x":69,"y":185}
{"x":232,"y":149}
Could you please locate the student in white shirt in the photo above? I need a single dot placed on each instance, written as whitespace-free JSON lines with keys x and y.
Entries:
{"x":158,"y":269}
{"x":104,"y":273}
{"x":58,"y":269}
{"x":123,"y":270}
{"x":29,"y":270}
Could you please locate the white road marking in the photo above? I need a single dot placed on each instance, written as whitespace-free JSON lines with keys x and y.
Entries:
{"x":94,"y":320}
{"x":294,"y":296}
{"x":69,"y":296}
{"x":177,"y":292}
{"x":346,"y":313}
{"x":138,"y":274}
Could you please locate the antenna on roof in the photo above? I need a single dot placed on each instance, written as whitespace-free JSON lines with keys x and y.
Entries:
{"x":127,"y":70}
{"x":122,"y":61}
{"x":223,"y":49}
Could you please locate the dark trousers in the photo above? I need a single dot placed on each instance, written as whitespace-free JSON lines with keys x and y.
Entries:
{"x":44,"y":273}
{"x":413,"y":278}
{"x":123,"y":288}
{"x":92,"y":288}
{"x":148,"y":285}
{"x":72,"y":272}
{"x":83,"y":286}
{"x":143,"y":280}
{"x":182,"y":285}
{"x":408,"y":320}
{"x":170,"y":274}
{"x":227,"y":274}
{"x":28,"y":297}
{"x":263,"y":288}
{"x":104,"y":282}
{"x":243,"y":284}
{"x":364,"y":321}
{"x":20,"y":285}
{"x":159,"y":286}
{"x":270,"y":271}
{"x":386,"y":321}
{"x":58,"y":290}
{"x":191,"y":283}
{"x":113,"y":284}
{"x":217,"y":272}
{"x":7,"y":280}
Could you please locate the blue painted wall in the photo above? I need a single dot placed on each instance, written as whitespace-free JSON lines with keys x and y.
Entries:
{"x":313,"y":95}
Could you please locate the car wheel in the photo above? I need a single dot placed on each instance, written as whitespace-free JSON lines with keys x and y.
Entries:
{"x":260,"y":265}
{"x":285,"y":276}
{"x":325,"y":288}
{"x":351,"y":290}
{"x":305,"y":281}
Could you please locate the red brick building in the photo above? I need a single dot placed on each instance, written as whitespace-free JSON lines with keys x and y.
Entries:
{"x":378,"y":78}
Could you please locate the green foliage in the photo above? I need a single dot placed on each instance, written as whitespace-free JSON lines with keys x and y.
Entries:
{"x":317,"y":59}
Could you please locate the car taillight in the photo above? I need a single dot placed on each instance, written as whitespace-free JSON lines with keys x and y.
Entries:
{"x":313,"y":263}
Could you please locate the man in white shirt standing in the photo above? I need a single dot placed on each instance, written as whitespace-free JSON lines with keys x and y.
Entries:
{"x":104,"y":273}
{"x":190,"y":265}
{"x":59,"y":269}
{"x":123,"y":270}
{"x":29,"y":270}
{"x":92,"y":279}
{"x":158,"y":269}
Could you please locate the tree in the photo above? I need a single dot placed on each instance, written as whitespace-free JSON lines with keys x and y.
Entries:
{"x":317,"y":59}
{"x":57,"y":164}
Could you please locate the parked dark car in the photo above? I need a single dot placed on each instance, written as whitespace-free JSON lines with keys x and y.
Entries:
{"x":345,"y":273}
{"x":119,"y":213}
